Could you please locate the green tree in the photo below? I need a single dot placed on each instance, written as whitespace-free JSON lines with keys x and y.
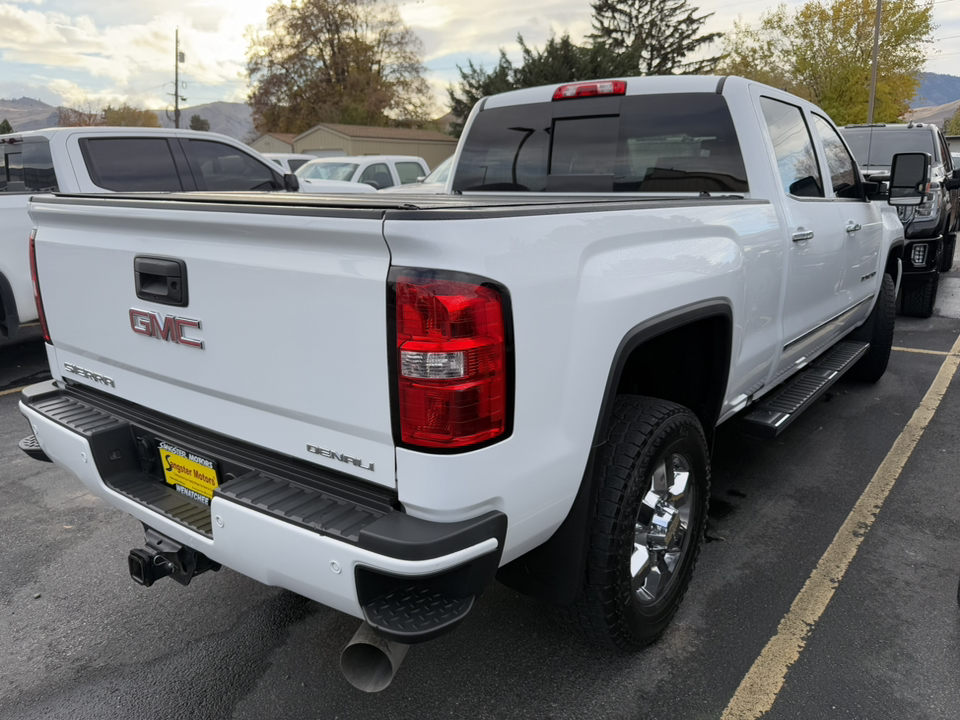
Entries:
{"x":822,"y":51}
{"x":198,"y":123}
{"x":951,"y":126}
{"x":5,"y":127}
{"x":348,"y":61}
{"x":655,"y":35}
{"x":129,"y":116}
{"x":560,"y":60}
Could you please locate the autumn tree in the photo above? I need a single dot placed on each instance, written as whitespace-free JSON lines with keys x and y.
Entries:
{"x":129,"y":116}
{"x":822,"y":51}
{"x":198,"y":123}
{"x":85,"y":113}
{"x":346,"y":61}
{"x":656,"y":36}
{"x":5,"y":127}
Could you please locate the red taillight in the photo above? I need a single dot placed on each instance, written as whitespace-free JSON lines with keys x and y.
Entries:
{"x":590,"y":89}
{"x":36,"y":285}
{"x":452,"y":366}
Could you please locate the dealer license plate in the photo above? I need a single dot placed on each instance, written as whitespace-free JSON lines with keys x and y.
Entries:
{"x":192,"y":475}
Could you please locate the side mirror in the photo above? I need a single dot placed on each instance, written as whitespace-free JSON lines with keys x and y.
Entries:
{"x":291,"y":183}
{"x":909,"y":179}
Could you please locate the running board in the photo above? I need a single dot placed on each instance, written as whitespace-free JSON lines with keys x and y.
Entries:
{"x":774,"y":413}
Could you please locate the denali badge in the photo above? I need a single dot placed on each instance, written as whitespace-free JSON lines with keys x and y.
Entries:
{"x":323,"y":452}
{"x":169,"y":328}
{"x":84,"y":373}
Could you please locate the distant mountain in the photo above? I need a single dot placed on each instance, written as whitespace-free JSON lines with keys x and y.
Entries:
{"x":936,"y":90}
{"x":232,"y":119}
{"x":28,"y":114}
{"x":936,"y":114}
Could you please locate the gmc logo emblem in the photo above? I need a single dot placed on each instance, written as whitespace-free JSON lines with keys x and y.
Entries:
{"x":163,"y":327}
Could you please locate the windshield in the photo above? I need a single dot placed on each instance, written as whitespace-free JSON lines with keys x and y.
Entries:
{"x":440,"y":172}
{"x":875,"y":147}
{"x":327,"y":171}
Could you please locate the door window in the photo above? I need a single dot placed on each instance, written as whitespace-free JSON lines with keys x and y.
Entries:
{"x":27,"y":167}
{"x":377,"y":175}
{"x":793,"y":148}
{"x":843,"y":173}
{"x":131,"y":164}
{"x":226,"y":168}
{"x":409,"y":172}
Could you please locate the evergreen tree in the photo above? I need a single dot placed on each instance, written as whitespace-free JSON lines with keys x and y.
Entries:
{"x":5,"y":127}
{"x":198,"y":123}
{"x":476,"y":83}
{"x":655,"y":35}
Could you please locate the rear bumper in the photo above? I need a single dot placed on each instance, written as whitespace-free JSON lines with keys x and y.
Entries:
{"x":323,"y":535}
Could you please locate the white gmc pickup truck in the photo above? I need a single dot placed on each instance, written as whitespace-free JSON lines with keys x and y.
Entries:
{"x":385,"y":402}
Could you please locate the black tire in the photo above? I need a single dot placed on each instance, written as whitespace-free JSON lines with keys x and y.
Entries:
{"x":621,"y":602}
{"x":949,"y":248}
{"x":878,"y":331}
{"x":918,"y":300}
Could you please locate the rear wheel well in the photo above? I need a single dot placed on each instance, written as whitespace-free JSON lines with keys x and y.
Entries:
{"x":9,"y":317}
{"x":687,"y":365}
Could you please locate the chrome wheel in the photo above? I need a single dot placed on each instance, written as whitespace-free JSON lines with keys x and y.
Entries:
{"x":661,"y":534}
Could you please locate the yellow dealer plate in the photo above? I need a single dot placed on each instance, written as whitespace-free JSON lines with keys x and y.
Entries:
{"x":192,"y":475}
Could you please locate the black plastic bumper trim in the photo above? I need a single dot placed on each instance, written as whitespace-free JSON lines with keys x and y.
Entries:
{"x":404,"y":537}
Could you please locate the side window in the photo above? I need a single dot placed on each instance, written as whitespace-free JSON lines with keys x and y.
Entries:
{"x":409,"y":172}
{"x":843,"y":173}
{"x":224,"y":167}
{"x":377,"y":175}
{"x":131,"y":164}
{"x":796,"y":160}
{"x":945,"y":151}
{"x":27,"y":168}
{"x":296,"y":163}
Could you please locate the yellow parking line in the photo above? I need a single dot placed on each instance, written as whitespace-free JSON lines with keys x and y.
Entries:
{"x":925,"y":352}
{"x":11,"y":392}
{"x":759,"y":688}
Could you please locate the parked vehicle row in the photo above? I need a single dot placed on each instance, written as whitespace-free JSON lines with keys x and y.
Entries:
{"x":377,"y":171}
{"x":931,"y":227}
{"x":519,"y":380}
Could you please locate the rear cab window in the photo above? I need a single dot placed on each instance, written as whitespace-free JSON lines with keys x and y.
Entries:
{"x":26,"y":166}
{"x":131,"y":164}
{"x":671,"y":143}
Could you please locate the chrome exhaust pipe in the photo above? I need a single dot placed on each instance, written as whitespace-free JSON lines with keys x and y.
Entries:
{"x":369,"y":662}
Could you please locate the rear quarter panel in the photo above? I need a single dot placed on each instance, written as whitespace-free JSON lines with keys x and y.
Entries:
{"x":578,"y":283}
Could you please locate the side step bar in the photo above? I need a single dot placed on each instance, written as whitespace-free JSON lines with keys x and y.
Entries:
{"x":775,"y":413}
{"x":31,"y":447}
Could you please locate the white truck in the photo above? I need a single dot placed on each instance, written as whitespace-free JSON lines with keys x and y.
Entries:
{"x":102,"y":159}
{"x":383,"y":403}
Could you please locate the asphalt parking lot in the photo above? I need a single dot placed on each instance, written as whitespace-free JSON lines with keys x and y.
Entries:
{"x":791,"y":612}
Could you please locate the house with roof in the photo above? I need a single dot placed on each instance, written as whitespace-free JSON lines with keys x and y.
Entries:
{"x":329,"y":139}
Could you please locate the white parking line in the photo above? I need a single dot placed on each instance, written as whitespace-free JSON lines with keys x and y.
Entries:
{"x":759,"y":688}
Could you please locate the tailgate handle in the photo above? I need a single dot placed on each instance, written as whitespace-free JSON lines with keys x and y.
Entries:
{"x":161,"y":280}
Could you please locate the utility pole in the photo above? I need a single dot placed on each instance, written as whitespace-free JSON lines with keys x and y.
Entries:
{"x":179,"y":58}
{"x":873,"y":73}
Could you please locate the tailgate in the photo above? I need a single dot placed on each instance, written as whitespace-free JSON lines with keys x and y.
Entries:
{"x":281,"y":340}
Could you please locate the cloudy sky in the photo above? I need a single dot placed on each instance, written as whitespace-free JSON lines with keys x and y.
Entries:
{"x":100,"y":51}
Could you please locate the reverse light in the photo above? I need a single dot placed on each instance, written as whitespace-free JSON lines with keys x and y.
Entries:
{"x":36,"y":287}
{"x":590,"y":89}
{"x":453,"y":371}
{"x":918,"y":255}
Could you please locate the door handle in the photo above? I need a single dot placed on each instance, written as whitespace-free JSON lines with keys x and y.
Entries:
{"x":853,"y":227}
{"x":801,"y":235}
